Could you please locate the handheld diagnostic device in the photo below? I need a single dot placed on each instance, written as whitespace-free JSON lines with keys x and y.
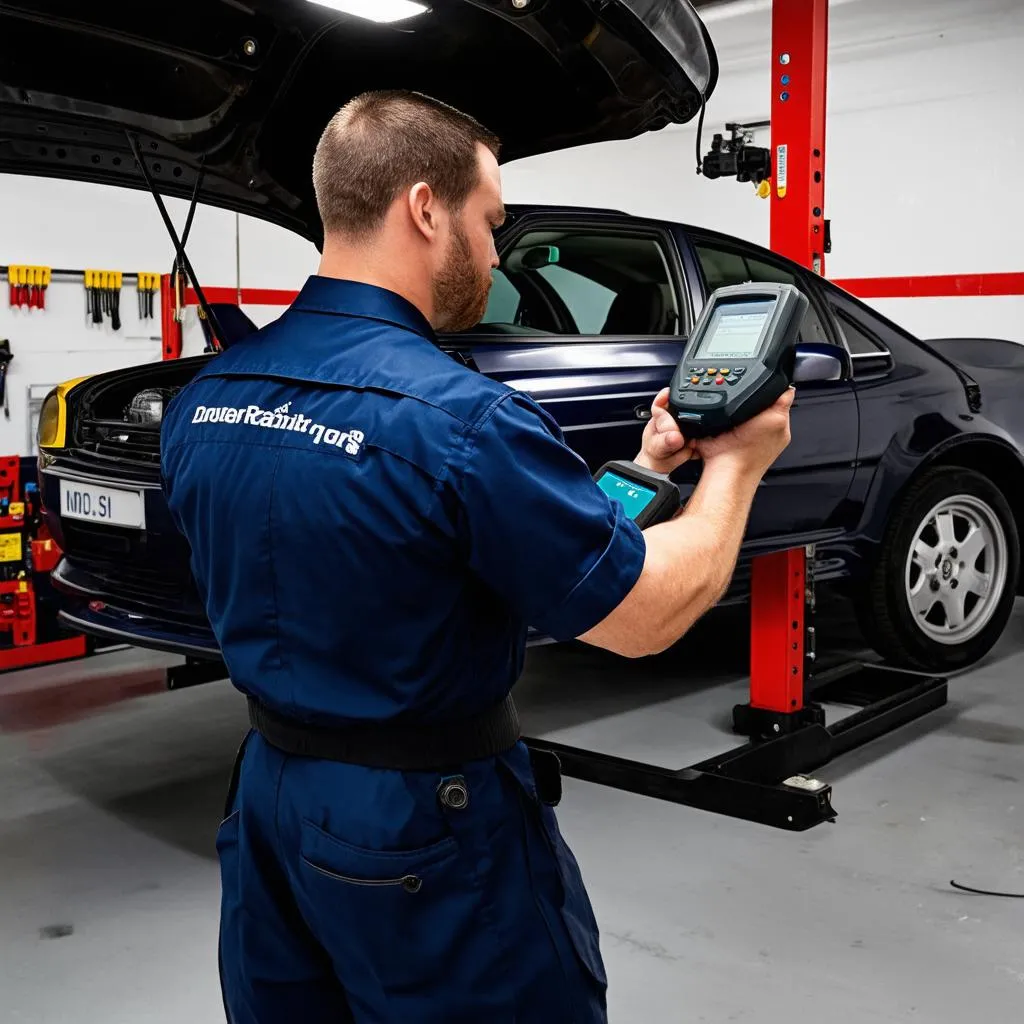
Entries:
{"x":738,"y":359}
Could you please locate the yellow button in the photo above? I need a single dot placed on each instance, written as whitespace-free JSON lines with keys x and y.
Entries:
{"x":712,"y":371}
{"x":695,"y":380}
{"x":723,"y":370}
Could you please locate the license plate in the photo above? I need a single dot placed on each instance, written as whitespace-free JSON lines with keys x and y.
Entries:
{"x":102,"y":504}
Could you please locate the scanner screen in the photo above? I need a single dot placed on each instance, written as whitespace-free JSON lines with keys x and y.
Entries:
{"x":735,"y":330}
{"x":634,"y":498}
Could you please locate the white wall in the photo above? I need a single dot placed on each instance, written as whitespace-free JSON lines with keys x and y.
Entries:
{"x":924,"y":150}
{"x":73,"y":225}
{"x":926,"y":99}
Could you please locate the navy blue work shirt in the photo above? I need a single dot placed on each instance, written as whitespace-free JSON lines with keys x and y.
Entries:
{"x":374,"y":525}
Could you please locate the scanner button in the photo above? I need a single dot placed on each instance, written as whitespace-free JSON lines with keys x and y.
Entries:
{"x":732,"y":380}
{"x":695,"y":380}
{"x":719,"y":380}
{"x":712,"y":371}
{"x":724,"y":371}
{"x":739,"y":371}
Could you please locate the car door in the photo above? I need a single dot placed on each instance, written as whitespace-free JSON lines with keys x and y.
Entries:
{"x":806,"y":489}
{"x":587,"y":314}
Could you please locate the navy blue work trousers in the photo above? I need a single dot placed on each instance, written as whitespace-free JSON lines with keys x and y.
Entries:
{"x":355,"y":895}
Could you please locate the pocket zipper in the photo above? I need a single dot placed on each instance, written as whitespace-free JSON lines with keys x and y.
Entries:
{"x":410,"y":883}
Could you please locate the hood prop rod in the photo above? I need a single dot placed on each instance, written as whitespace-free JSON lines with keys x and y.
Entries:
{"x":179,"y":244}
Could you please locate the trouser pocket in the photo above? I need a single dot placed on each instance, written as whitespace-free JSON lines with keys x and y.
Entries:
{"x":403,"y":928}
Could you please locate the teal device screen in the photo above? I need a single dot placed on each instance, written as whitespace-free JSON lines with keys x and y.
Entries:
{"x":634,"y":498}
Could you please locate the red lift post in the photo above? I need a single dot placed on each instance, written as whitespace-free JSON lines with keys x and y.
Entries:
{"x":781,"y":588}
{"x":798,"y":232}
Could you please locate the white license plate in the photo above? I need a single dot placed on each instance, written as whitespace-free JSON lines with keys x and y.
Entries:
{"x":102,"y":504}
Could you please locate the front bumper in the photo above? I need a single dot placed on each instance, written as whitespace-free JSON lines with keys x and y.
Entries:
{"x":89,"y":613}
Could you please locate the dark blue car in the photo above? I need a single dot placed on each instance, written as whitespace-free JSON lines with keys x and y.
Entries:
{"x":905,"y":473}
{"x":905,"y":469}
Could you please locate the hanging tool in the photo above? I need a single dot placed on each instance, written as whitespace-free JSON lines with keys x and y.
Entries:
{"x":27,"y":286}
{"x":18,"y":277}
{"x":39,"y":280}
{"x":6,"y":355}
{"x":116,"y":278}
{"x":103,"y":296}
{"x":147,"y":286}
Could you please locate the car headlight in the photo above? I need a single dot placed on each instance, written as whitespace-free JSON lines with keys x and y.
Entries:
{"x":146,"y":407}
{"x":51,"y":430}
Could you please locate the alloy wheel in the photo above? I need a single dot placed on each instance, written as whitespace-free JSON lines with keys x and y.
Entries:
{"x":956,"y":569}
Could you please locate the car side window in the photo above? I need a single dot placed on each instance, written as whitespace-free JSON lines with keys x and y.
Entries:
{"x":589,"y":301}
{"x":504,"y":301}
{"x":723,"y":266}
{"x":584,"y":281}
{"x":870,"y":355}
{"x":858,"y":341}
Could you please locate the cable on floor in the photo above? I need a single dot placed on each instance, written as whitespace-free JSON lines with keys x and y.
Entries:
{"x":987,"y":892}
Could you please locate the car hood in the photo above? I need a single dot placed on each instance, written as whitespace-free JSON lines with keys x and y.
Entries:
{"x":243,"y":88}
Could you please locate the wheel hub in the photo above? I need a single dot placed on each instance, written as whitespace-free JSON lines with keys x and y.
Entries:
{"x":956,"y":569}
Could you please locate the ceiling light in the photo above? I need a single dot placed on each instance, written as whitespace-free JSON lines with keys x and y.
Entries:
{"x":376,"y":10}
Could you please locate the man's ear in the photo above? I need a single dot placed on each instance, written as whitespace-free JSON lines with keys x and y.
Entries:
{"x":425,"y":210}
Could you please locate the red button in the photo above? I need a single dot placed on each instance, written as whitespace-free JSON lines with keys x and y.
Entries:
{"x":719,"y":380}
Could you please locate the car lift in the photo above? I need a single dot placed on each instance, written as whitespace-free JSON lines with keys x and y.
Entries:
{"x":767,"y":779}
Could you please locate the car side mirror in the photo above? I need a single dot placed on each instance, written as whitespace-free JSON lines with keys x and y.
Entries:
{"x":816,"y":362}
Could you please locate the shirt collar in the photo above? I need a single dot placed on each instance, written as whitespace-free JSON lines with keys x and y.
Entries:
{"x":353,"y":298}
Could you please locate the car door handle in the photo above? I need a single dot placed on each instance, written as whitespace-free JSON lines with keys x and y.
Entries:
{"x":642,"y":412}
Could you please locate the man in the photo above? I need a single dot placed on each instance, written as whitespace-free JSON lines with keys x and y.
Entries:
{"x":373,"y":527}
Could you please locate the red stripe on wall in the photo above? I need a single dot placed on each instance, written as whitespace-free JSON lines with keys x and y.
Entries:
{"x":922,"y":287}
{"x":250,"y":296}
{"x":937,"y":286}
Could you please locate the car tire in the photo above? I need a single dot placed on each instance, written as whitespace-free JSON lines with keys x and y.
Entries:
{"x":928,"y":604}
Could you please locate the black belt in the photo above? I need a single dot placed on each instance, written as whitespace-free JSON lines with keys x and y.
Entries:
{"x":418,"y":747}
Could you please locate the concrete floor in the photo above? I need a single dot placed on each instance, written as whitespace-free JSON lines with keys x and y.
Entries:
{"x":110,"y":793}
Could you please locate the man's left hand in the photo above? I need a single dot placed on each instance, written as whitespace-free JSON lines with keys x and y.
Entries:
{"x":663,"y":447}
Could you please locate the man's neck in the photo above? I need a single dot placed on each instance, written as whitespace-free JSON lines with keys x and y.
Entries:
{"x":371,"y":266}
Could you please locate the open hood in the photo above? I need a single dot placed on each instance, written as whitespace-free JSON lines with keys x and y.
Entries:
{"x":243,"y":88}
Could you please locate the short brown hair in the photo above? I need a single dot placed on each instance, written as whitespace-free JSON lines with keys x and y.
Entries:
{"x":381,"y":143}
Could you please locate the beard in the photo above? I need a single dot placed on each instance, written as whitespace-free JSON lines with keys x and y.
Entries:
{"x":460,"y":290}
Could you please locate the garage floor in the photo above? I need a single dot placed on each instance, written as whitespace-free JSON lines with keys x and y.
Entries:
{"x":108,"y":898}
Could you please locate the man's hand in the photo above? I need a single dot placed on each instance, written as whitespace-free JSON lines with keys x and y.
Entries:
{"x":752,"y":446}
{"x":663,"y":447}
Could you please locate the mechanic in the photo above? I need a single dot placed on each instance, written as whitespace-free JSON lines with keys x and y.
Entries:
{"x":373,"y":526}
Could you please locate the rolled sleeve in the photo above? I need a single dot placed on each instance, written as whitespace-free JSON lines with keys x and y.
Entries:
{"x":537,"y":529}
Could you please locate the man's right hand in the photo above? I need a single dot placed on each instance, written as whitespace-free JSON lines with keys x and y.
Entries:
{"x":752,"y":446}
{"x":679,"y":583}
